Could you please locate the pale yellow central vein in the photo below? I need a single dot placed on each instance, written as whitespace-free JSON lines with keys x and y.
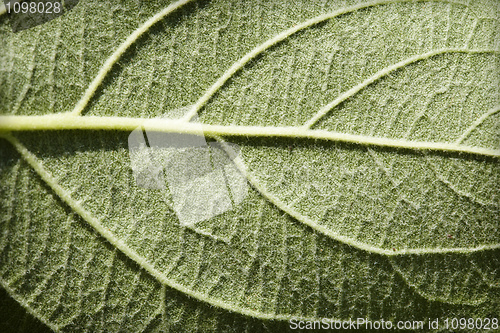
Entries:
{"x":69,"y":122}
{"x":61,"y":122}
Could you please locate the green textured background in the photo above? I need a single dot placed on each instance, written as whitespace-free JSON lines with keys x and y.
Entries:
{"x":256,"y":258}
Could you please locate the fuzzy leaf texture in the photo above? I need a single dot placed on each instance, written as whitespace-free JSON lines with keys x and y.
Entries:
{"x":368,"y":133}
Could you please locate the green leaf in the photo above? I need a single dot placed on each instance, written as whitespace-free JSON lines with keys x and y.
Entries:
{"x":368,"y":134}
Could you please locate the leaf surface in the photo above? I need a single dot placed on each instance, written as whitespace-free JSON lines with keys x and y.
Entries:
{"x":328,"y":229}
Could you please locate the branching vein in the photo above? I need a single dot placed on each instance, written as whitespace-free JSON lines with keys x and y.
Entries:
{"x":354,"y":90}
{"x":106,"y":67}
{"x":45,"y":175}
{"x":279,"y":38}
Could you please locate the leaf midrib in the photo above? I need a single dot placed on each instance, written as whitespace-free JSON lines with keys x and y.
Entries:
{"x":74,"y":120}
{"x":69,"y":122}
{"x":215,"y":131}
